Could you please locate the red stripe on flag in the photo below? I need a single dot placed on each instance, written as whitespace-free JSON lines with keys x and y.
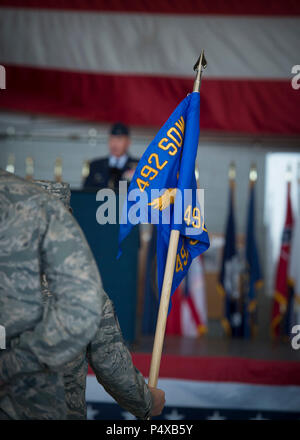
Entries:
{"x":281,"y":295}
{"x":245,"y":106}
{"x":218,"y":369}
{"x":173,"y":326}
{"x":228,"y":7}
{"x":193,"y":310}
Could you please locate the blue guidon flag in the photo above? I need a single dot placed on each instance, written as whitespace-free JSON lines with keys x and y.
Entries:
{"x":163,"y":191}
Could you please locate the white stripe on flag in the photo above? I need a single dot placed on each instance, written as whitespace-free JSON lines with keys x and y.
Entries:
{"x":188,"y":325}
{"x":236,"y":47}
{"x":221,"y":395}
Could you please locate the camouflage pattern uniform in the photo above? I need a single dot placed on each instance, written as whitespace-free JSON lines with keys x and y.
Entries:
{"x":38,"y":235}
{"x":111,"y":362}
{"x":107,"y":354}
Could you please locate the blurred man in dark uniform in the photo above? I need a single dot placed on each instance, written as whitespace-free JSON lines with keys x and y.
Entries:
{"x":107,"y":172}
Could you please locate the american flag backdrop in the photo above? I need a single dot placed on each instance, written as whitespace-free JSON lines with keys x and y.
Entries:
{"x":132,"y":60}
{"x":212,"y":388}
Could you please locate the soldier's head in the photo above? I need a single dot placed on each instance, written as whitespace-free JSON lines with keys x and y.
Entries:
{"x":119,"y":139}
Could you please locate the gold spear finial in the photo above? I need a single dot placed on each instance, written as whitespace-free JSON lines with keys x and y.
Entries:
{"x":232,"y":171}
{"x":253,"y":174}
{"x":198,"y":67}
{"x":10,"y":167}
{"x":232,"y":174}
{"x":85,"y":172}
{"x":58,"y":170}
{"x":29,"y":168}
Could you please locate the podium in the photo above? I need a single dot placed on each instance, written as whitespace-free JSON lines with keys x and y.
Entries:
{"x":119,"y":277}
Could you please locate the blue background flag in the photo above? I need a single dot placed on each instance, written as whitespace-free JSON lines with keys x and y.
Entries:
{"x":163,"y":191}
{"x":252,"y":274}
{"x":229,"y":285}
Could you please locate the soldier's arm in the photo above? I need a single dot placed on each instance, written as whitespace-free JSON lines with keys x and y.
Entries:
{"x":73,"y":278}
{"x":111,"y":361}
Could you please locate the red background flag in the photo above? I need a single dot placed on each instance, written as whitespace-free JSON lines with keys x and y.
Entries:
{"x":281,"y":285}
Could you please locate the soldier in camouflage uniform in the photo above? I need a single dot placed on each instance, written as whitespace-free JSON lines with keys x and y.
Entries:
{"x":108,"y":356}
{"x":38,"y":235}
{"x":111,"y":362}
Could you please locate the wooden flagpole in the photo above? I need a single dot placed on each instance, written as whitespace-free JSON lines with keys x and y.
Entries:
{"x":169,"y":271}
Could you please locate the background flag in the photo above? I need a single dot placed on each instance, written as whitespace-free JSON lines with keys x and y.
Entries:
{"x":294,"y":272}
{"x":168,"y":165}
{"x":189,"y":310}
{"x":251,"y":276}
{"x":229,"y":279}
{"x":282,"y":294}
